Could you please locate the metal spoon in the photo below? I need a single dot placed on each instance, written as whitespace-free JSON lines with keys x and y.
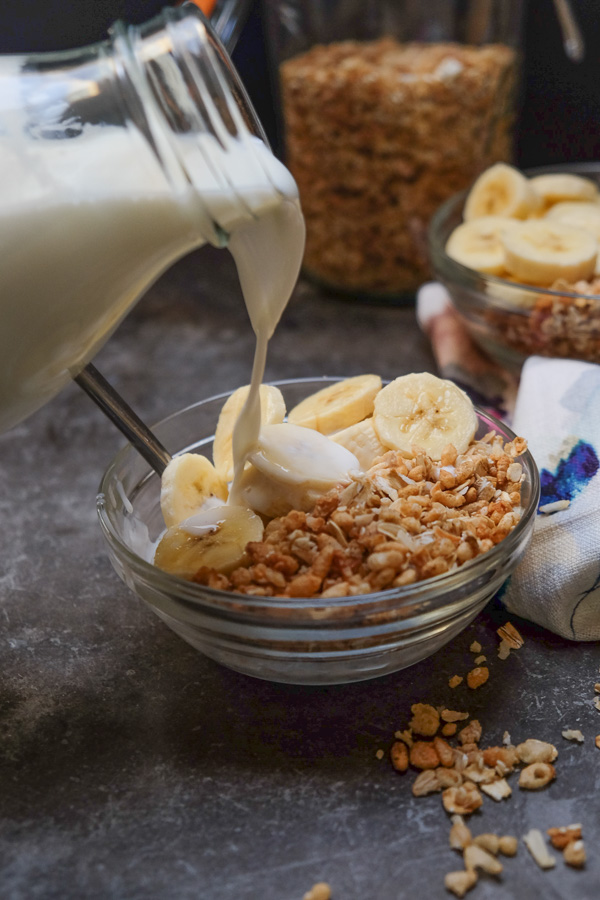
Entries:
{"x":571,"y":34}
{"x":117,"y":410}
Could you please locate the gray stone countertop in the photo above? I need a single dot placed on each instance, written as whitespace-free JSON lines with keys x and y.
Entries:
{"x":133,"y":767}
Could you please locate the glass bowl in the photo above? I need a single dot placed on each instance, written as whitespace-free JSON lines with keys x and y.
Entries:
{"x":299,"y":641}
{"x":512,"y":321}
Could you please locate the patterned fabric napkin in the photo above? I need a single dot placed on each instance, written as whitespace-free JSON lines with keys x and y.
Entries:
{"x":555,"y":405}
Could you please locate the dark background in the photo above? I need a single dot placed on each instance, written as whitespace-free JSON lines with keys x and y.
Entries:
{"x":559,"y":118}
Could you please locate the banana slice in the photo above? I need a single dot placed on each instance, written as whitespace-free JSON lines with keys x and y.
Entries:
{"x":515,"y":295}
{"x":272,"y":410}
{"x":559,"y":186}
{"x":188,"y":482}
{"x":478,"y":245}
{"x":541,"y":251}
{"x":584,"y":215}
{"x":361,"y":440}
{"x":291,"y":468}
{"x":501,"y":191}
{"x":421,"y":410}
{"x":338,"y":405}
{"x":216,"y":538}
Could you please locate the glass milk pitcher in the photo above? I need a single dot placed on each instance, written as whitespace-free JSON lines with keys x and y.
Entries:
{"x":115,"y":160}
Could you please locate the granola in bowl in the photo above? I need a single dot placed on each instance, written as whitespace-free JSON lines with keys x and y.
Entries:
{"x":358,"y":624}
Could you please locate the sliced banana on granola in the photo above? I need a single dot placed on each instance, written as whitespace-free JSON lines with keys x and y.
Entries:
{"x":584,"y":215}
{"x":558,"y":186}
{"x":421,"y":410}
{"x":478,"y":245}
{"x":501,"y":191}
{"x":272,"y":410}
{"x":542,"y":251}
{"x":361,"y":440}
{"x":338,"y":405}
{"x":216,"y":538}
{"x":189,"y":482}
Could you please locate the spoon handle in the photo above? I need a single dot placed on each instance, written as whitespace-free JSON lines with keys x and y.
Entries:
{"x":121,"y":415}
{"x":571,"y":33}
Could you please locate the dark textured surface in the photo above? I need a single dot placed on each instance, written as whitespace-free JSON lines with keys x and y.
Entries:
{"x":132,"y":767}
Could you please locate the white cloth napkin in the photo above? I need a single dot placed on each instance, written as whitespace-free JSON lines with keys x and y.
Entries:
{"x":557,"y":409}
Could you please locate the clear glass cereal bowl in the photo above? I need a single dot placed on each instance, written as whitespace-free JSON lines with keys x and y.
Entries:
{"x":299,"y":641}
{"x":508,"y":320}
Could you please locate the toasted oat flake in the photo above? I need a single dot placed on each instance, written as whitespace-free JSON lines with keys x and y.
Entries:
{"x":477,"y":857}
{"x":458,"y":883}
{"x":534,"y":841}
{"x":452,"y":715}
{"x":573,"y":734}
{"x":480,"y":659}
{"x":497,"y":790}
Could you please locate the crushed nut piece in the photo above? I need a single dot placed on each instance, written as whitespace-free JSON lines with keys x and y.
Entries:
{"x":532,"y":751}
{"x":319,"y":891}
{"x":574,"y":854}
{"x":509,"y":633}
{"x":476,"y":857}
{"x":563,"y":835}
{"x":489,"y":842}
{"x":455,"y":681}
{"x":399,"y":756}
{"x":458,"y":883}
{"x":508,"y":845}
{"x":536,"y":776}
{"x":478,"y":676}
{"x":573,"y":734}
{"x":534,"y":841}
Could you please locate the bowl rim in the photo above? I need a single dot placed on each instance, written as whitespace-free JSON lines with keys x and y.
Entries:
{"x":455,"y":271}
{"x":199,"y":596}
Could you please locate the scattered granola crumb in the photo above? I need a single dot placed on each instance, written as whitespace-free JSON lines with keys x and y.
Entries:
{"x":536,"y":776}
{"x":458,"y":883}
{"x":405,"y":736}
{"x":596,"y":741}
{"x":450,"y":728}
{"x":506,"y":739}
{"x":558,"y":505}
{"x":489,"y":841}
{"x":564,"y":834}
{"x":503,"y":650}
{"x":534,"y":841}
{"x":319,"y":891}
{"x":597,"y":687}
{"x":455,"y":681}
{"x":573,"y":734}
{"x":380,"y":754}
{"x":399,"y":756}
{"x":497,"y":790}
{"x":425,"y":719}
{"x":480,"y":659}
{"x":476,"y":857}
{"x":509,"y":633}
{"x":478,"y":676}
{"x":508,"y":845}
{"x":475,"y":647}
{"x":596,"y":702}
{"x":574,"y":854}
{"x":460,"y":835}
{"x":533,"y":751}
{"x":452,"y":715}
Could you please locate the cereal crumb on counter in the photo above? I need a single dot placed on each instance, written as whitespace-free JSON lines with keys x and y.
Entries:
{"x":455,"y":681}
{"x":597,"y":741}
{"x":510,"y":635}
{"x":534,"y":841}
{"x":477,"y":676}
{"x":556,"y":506}
{"x":573,"y":734}
{"x":319,"y":891}
{"x":475,"y":647}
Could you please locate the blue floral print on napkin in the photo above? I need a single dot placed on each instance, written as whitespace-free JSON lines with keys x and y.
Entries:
{"x":571,"y":475}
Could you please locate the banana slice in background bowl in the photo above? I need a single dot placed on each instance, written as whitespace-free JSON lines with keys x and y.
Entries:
{"x":524,"y":282}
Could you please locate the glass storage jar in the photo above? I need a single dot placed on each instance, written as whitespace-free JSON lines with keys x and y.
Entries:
{"x":387,"y":109}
